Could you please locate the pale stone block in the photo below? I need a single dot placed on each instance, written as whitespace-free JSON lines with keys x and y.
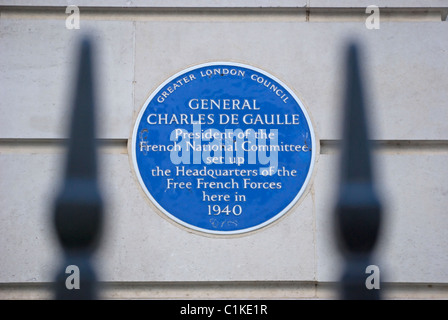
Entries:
{"x":28,"y":186}
{"x":379,"y":3}
{"x":384,"y":15}
{"x":166,"y":14}
{"x":413,"y":240}
{"x":233,"y":3}
{"x":210,"y":290}
{"x":161,"y":3}
{"x":37,"y":70}
{"x":399,"y":74}
{"x":138,"y":244}
{"x":225,"y":290}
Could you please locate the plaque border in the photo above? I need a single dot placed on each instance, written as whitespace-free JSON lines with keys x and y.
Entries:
{"x":192,"y":228}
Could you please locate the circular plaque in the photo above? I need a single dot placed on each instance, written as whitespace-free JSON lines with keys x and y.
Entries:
{"x":223,"y":148}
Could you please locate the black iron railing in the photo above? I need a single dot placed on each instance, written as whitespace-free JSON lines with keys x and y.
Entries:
{"x":78,"y":211}
{"x":358,"y":210}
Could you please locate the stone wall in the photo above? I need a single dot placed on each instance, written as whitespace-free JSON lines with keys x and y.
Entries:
{"x":300,"y":42}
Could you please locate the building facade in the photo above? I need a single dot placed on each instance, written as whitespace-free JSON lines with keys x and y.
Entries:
{"x":138,"y":46}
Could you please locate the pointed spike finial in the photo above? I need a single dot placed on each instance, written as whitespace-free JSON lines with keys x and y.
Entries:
{"x":358,"y":211}
{"x":356,"y":193}
{"x":78,"y":211}
{"x":356,"y":145}
{"x":82,"y":153}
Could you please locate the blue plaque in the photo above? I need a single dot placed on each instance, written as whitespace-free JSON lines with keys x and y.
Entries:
{"x":223,"y":148}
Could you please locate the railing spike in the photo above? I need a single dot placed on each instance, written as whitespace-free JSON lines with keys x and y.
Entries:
{"x":78,"y":211}
{"x":82,"y":143}
{"x":358,"y":211}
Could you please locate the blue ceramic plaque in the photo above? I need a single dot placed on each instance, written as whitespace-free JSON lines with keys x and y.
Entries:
{"x":223,"y":148}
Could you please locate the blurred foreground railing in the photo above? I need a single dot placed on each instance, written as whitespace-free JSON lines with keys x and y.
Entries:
{"x":358,"y":210}
{"x":78,"y":212}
